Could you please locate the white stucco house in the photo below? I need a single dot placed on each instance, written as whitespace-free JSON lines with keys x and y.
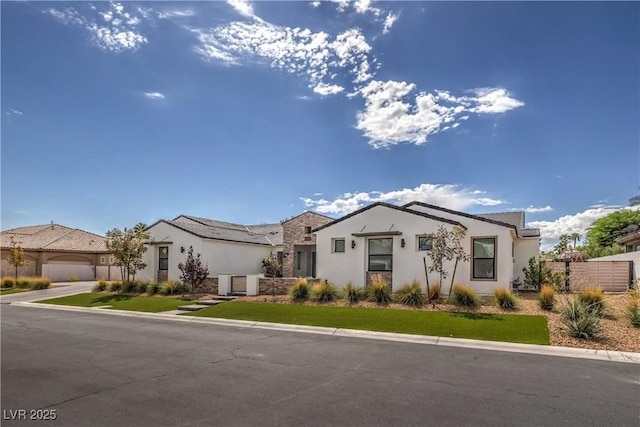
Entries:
{"x":386,"y":239}
{"x":226,"y":248}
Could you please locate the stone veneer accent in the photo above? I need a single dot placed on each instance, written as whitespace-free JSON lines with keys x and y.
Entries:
{"x":293,"y":234}
{"x":282,"y":285}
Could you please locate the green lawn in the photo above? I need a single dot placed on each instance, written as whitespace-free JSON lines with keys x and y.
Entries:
{"x":9,"y":291}
{"x":492,"y":327}
{"x":121,"y":302}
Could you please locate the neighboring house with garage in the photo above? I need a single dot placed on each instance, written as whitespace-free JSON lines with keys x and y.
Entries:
{"x":58,"y":252}
{"x":226,"y":248}
{"x":392,"y":240}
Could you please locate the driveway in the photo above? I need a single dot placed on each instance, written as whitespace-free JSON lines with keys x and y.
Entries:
{"x":56,"y":290}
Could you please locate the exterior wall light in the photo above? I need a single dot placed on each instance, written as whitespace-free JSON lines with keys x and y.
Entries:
{"x":353,"y":244}
{"x":402,"y":243}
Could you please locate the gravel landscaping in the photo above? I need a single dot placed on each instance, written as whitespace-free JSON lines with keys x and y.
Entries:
{"x":617,"y":333}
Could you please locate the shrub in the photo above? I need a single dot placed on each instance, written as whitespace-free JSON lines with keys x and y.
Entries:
{"x":101,"y":286}
{"x":115,"y":286}
{"x":579,"y":320}
{"x":547,"y":297}
{"x":171,"y":288}
{"x":593,"y":299}
{"x":379,"y":290}
{"x":39,"y":283}
{"x":8,"y":282}
{"x":323,"y":292}
{"x":505,"y":298}
{"x":140,"y":287}
{"x":299,"y":291}
{"x":152,"y":288}
{"x":352,"y":294}
{"x":632,"y":311}
{"x":464,"y":296}
{"x":23,"y":282}
{"x":73,"y":278}
{"x":411,"y":294}
{"x":434,"y":290}
{"x":127,"y":287}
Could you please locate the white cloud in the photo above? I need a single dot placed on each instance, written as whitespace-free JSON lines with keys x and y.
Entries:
{"x":154,"y":95}
{"x":388,"y":22}
{"x":532,"y":209}
{"x":116,"y":30}
{"x":568,"y":224}
{"x":446,"y":195}
{"x":327,"y":89}
{"x":11,"y":112}
{"x":243,"y":7}
{"x":175,"y":14}
{"x":315,"y":3}
{"x":494,"y":100}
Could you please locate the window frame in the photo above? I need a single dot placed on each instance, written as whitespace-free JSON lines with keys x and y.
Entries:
{"x":334,"y":249}
{"x":371,"y":257}
{"x":494,"y":258}
{"x":163,"y":258}
{"x":308,"y":229}
{"x":419,"y":246}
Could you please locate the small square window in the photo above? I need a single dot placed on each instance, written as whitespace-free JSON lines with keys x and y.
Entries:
{"x":111,"y":260}
{"x":424,"y":243}
{"x":102,"y":260}
{"x":307,"y":230}
{"x":338,"y":245}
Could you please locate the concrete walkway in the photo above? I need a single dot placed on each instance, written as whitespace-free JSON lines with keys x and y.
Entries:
{"x":56,"y":290}
{"x":603,"y":355}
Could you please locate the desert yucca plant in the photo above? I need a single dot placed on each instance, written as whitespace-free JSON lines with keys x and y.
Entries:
{"x":464,"y":296}
{"x":593,"y":299}
{"x":114,"y":286}
{"x":547,"y":297}
{"x":378,"y":290}
{"x":579,"y":320}
{"x":299,"y":291}
{"x":152,"y":288}
{"x":434,"y":290}
{"x":171,"y":288}
{"x":505,"y":298}
{"x":127,"y":287}
{"x":352,"y":294}
{"x":323,"y":292}
{"x":8,"y":282}
{"x":632,"y":311}
{"x":410,"y":294}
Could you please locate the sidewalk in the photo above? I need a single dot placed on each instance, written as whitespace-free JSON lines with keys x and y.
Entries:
{"x":55,"y":290}
{"x":602,"y":355}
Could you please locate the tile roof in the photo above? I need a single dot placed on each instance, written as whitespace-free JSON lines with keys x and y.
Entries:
{"x":54,"y":237}
{"x":261,"y":234}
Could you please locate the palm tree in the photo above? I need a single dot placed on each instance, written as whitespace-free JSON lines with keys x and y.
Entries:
{"x":576,"y":238}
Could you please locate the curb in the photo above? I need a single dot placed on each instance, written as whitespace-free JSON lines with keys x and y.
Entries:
{"x":580,"y":353}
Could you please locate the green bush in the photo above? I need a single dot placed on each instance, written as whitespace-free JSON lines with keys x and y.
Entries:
{"x":39,"y":283}
{"x":410,"y":295}
{"x":171,"y":288}
{"x":127,"y":287}
{"x":115,"y":286}
{"x":632,"y":311}
{"x":352,"y":294}
{"x":73,"y":278}
{"x":593,"y":299}
{"x":152,"y":288}
{"x":505,"y":298}
{"x":140,"y":287}
{"x":579,"y":320}
{"x":323,"y":292}
{"x":378,"y":291}
{"x":547,"y":297}
{"x":299,"y":291}
{"x":464,"y":296}
{"x":8,"y":282}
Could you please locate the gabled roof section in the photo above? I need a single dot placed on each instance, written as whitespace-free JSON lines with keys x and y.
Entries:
{"x":54,"y":237}
{"x":513,"y":220}
{"x":259,"y":234}
{"x":307,"y":212}
{"x":394,"y":207}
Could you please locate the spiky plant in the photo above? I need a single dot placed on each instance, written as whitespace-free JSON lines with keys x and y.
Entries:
{"x":323,"y":292}
{"x":352,"y":294}
{"x":299,"y":291}
{"x":632,"y":311}
{"x":547,"y":297}
{"x":464,"y":296}
{"x":593,"y":299}
{"x":411,"y":294}
{"x":579,"y":320}
{"x":379,"y":291}
{"x":505,"y":298}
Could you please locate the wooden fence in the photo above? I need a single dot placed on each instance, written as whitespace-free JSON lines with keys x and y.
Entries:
{"x":610,"y":276}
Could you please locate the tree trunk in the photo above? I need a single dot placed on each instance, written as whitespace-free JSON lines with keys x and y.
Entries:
{"x":453,"y":276}
{"x":426,"y":274}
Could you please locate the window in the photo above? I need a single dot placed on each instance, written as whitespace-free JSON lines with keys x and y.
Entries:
{"x":102,"y":259}
{"x":380,"y":254}
{"x":111,"y":260}
{"x":338,"y":245}
{"x":163,"y":259}
{"x":307,"y":230}
{"x":484,"y":258}
{"x":298,"y":260}
{"x":424,"y":243}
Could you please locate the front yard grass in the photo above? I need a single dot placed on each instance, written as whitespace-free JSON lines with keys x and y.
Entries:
{"x":9,"y":291}
{"x":121,"y":302}
{"x":481,"y":326}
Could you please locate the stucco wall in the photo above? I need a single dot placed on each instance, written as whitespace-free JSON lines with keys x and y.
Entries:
{"x":351,"y":266}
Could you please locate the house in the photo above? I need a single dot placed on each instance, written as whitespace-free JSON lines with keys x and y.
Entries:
{"x":299,"y":244}
{"x":226,"y":248}
{"x":57,"y":252}
{"x":631,"y":240}
{"x":392,"y":240}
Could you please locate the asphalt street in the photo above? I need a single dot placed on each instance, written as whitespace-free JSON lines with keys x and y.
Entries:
{"x":120,"y":371}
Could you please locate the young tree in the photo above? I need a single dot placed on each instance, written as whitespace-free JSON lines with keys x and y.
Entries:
{"x":193,"y":272}
{"x":128,"y":247}
{"x":446,"y":246}
{"x":602,"y":235}
{"x":17,"y":257}
{"x":458,"y":252}
{"x":538,"y":273}
{"x":272,"y":269}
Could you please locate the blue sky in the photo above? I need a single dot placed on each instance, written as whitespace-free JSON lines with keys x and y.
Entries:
{"x":251,"y":112}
